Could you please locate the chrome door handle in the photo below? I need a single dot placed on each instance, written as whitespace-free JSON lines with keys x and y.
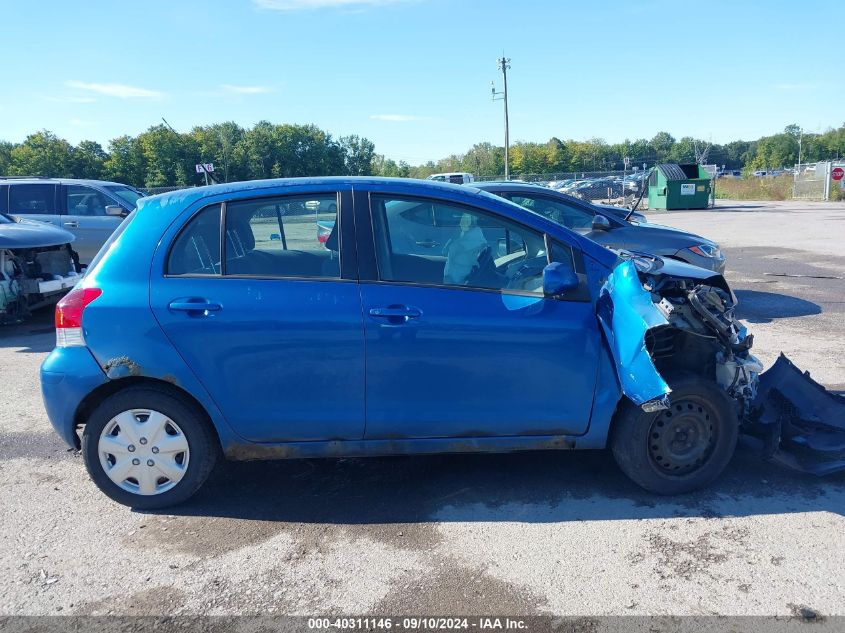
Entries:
{"x":72,"y":225}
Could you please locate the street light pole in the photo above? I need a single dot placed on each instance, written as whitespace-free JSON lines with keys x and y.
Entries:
{"x":504,"y":64}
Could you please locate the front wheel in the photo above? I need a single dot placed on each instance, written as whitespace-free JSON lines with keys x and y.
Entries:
{"x":679,"y":449}
{"x":147,"y":448}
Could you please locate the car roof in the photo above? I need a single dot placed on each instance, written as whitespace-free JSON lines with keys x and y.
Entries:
{"x":38,"y":180}
{"x":196,"y":193}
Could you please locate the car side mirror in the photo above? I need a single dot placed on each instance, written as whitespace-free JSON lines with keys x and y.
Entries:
{"x":600,"y":223}
{"x":558,"y":279}
{"x":114,"y":209}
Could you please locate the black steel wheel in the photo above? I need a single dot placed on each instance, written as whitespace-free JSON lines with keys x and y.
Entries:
{"x":679,"y":449}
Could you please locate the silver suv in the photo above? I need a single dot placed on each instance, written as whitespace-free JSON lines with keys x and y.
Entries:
{"x":90,"y":209}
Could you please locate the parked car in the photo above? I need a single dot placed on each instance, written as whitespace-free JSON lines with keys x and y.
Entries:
{"x":455,"y":177}
{"x":90,"y":209}
{"x":179,"y":346}
{"x":603,"y":226}
{"x":37,"y":266}
{"x":603,"y":189}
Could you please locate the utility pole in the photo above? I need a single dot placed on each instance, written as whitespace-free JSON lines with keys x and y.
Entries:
{"x":800,"y":138}
{"x":504,"y":64}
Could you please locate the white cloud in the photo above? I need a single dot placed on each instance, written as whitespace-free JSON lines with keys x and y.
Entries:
{"x":397,"y":117}
{"x":245,"y":90}
{"x":70,"y":99}
{"x":795,"y":87}
{"x":305,"y":5}
{"x":120,"y":91}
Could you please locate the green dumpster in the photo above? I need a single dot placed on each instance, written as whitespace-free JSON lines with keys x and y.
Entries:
{"x":673,"y":186}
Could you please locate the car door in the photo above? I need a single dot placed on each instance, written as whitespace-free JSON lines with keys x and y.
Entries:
{"x":84,"y":215}
{"x":465,"y":344}
{"x":271,"y":326}
{"x":34,"y":201}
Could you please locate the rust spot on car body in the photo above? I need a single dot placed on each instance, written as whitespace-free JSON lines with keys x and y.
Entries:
{"x":121,"y":367}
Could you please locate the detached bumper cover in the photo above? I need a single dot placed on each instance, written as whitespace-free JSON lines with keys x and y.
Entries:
{"x":801,"y":424}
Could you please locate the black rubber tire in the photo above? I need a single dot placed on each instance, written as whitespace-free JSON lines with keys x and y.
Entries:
{"x":630,"y":440}
{"x":202,"y":442}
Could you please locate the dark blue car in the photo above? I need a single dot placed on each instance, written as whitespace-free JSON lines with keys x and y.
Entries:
{"x":223,"y":321}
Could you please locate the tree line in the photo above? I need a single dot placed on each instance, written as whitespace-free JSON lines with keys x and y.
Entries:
{"x":566,"y":157}
{"x":161,"y":157}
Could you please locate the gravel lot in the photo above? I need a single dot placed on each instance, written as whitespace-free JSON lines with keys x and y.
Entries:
{"x":561,"y":533}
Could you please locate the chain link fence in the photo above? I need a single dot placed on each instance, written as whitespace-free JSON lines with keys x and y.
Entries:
{"x":816,"y":181}
{"x":621,"y":188}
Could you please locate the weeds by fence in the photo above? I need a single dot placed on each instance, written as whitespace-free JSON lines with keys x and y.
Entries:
{"x":753,"y":188}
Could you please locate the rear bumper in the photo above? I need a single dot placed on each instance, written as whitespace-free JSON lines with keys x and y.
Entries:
{"x":68,"y":375}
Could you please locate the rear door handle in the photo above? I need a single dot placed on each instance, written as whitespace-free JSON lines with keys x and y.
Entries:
{"x":396,"y":315}
{"x":72,"y":225}
{"x":194,"y":305}
{"x":428,"y":243}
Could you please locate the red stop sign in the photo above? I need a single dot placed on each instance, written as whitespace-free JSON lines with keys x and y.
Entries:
{"x":837,"y":173}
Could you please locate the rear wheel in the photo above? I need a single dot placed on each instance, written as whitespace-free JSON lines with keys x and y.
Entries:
{"x":679,"y":449}
{"x":147,"y":448}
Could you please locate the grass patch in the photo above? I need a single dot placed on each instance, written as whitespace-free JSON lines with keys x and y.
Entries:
{"x":753,"y":188}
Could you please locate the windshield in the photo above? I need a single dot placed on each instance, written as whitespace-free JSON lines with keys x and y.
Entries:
{"x":127,"y":194}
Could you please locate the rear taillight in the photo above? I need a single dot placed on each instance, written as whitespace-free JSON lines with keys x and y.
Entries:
{"x":69,"y":316}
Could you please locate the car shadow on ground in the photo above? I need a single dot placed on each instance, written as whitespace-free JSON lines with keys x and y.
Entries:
{"x":756,"y":306}
{"x":523,"y":487}
{"x":36,"y":334}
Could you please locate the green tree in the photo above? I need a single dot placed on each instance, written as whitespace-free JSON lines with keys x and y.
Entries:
{"x":125,"y":162}
{"x":5,"y":157}
{"x":89,"y":160}
{"x":42,"y":154}
{"x":216,"y":144}
{"x":661,"y":145}
{"x":358,"y":155}
{"x":169,"y":157}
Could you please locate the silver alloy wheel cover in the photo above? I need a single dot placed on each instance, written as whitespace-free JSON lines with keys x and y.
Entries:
{"x":143,"y":452}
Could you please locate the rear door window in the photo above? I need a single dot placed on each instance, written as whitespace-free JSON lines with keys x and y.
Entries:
{"x":290,"y":236}
{"x":32,"y":199}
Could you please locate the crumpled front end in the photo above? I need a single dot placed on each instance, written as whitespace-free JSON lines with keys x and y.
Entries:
{"x":662,"y":318}
{"x":800,"y":424}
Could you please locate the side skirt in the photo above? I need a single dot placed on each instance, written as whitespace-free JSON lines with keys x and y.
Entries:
{"x":373,"y":448}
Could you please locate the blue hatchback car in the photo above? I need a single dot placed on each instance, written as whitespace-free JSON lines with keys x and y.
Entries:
{"x":224,"y":321}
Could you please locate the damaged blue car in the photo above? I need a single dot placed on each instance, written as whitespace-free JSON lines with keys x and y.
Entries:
{"x":227,"y":321}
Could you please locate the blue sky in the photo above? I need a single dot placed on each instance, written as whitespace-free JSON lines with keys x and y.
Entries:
{"x":414,"y":75}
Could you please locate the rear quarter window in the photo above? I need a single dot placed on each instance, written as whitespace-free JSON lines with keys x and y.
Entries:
{"x":110,"y":242}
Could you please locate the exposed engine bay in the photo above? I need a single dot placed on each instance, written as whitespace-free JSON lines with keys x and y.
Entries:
{"x":792,"y":419}
{"x":34,"y":277}
{"x":703,"y":335}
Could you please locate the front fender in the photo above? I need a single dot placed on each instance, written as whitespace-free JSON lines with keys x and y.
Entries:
{"x":626,"y":312}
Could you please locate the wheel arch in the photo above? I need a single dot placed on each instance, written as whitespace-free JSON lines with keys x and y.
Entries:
{"x":98,"y":395}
